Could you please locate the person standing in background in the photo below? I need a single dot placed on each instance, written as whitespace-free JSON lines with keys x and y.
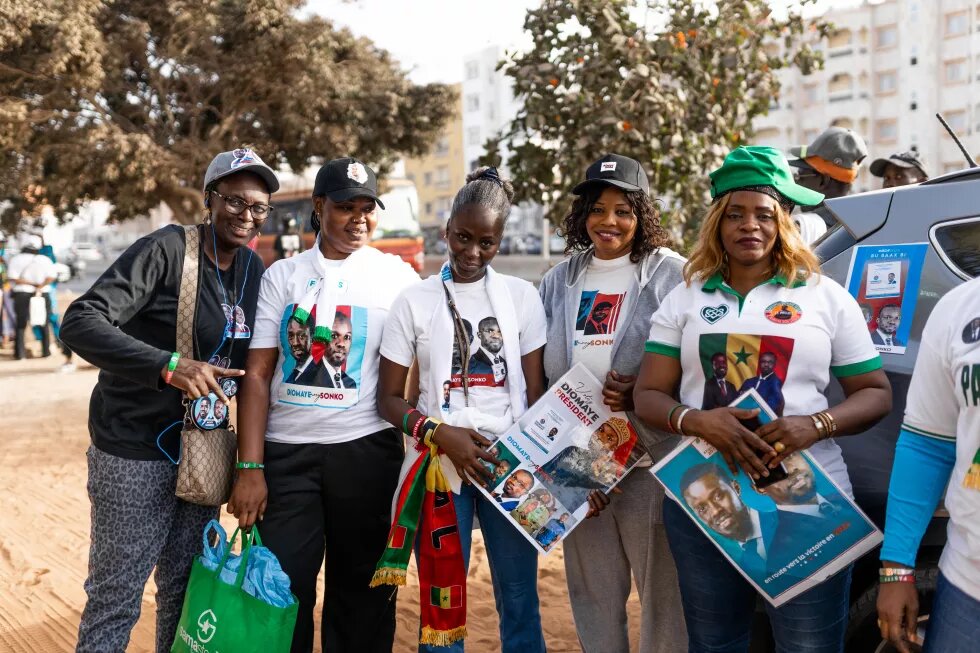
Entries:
{"x":54,"y":319}
{"x":31,"y":274}
{"x":598,"y":305}
{"x":900,"y":169}
{"x":7,"y":317}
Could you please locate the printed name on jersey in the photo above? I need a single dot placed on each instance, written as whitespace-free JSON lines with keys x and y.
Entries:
{"x":712,"y":314}
{"x":783,"y":312}
{"x":970,"y":383}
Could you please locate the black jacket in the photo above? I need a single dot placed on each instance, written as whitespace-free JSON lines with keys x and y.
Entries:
{"x":126,"y":324}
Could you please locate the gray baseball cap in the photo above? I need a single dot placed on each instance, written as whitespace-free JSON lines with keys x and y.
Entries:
{"x":909,"y":159}
{"x":841,"y":148}
{"x":241,"y":160}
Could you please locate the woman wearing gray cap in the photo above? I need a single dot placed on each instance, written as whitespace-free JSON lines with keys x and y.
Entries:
{"x":126,"y":325}
{"x":323,"y":463}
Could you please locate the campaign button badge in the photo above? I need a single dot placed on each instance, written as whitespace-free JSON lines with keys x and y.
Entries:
{"x":229,"y":386}
{"x":208,"y":412}
{"x":783,"y":312}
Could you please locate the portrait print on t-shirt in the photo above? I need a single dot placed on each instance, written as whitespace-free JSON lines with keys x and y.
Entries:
{"x":487,"y":367}
{"x":598,"y":313}
{"x":323,"y":374}
{"x":736,"y":362}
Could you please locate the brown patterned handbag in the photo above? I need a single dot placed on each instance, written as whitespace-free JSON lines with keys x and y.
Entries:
{"x":207,"y":458}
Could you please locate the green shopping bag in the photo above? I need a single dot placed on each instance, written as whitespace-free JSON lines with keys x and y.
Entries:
{"x":220,"y":617}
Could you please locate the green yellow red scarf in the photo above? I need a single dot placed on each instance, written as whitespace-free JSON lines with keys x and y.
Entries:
{"x":425,"y":507}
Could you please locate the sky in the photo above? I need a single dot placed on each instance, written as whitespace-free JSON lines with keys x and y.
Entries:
{"x":430,"y":37}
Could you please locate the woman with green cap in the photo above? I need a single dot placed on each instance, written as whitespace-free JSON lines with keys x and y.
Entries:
{"x":754,"y":312}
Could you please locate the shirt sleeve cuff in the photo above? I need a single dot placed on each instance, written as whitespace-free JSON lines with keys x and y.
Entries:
{"x":654,"y":347}
{"x":853,"y":369}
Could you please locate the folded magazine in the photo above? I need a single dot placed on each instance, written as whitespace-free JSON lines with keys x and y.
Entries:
{"x":561,"y":449}
{"x":784,"y":538}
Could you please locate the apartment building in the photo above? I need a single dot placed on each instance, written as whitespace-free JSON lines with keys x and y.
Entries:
{"x":441,"y":172}
{"x":889,"y":67}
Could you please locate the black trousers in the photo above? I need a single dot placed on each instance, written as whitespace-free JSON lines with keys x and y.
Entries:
{"x":22,"y":308}
{"x":332,"y":502}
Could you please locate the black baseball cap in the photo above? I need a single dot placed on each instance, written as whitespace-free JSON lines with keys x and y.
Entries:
{"x":909,"y":159}
{"x":344,"y":179}
{"x":615,"y":170}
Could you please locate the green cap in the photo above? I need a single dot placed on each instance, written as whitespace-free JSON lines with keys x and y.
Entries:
{"x":754,"y":165}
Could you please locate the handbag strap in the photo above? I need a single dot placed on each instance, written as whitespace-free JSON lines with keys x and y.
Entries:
{"x":187,"y":298}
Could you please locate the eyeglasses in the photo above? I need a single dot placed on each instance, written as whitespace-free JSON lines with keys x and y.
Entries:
{"x":237,"y":206}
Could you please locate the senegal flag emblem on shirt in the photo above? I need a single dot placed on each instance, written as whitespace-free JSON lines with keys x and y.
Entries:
{"x":735,"y":362}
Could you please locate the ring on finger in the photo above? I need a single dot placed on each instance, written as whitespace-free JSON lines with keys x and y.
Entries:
{"x":779,"y":447}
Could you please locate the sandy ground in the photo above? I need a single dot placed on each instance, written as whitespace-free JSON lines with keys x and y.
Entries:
{"x":44,"y":529}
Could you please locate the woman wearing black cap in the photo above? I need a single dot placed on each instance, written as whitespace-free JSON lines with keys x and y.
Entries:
{"x":320,"y":463}
{"x":599,"y":303}
{"x":126,"y":324}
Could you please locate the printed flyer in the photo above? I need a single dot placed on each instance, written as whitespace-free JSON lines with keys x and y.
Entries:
{"x":784,"y":538}
{"x":564,"y":446}
{"x":884,"y":279}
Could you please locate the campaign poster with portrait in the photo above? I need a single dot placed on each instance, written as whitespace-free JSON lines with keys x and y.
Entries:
{"x":884,"y":279}
{"x":565,"y":446}
{"x":322,"y":374}
{"x":783,"y":538}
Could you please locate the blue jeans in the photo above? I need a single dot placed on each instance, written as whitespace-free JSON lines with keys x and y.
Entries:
{"x":513,"y":569}
{"x":954,"y":624}
{"x":719,"y":603}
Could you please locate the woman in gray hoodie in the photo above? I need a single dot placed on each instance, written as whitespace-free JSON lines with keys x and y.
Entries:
{"x":598,"y":305}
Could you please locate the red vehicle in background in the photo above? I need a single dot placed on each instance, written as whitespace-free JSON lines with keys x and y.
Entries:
{"x":398,"y":230}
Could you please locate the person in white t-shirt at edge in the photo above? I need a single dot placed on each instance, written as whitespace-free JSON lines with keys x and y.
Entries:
{"x":599,"y":303}
{"x":753,"y":286}
{"x":30,"y":274}
{"x":938,"y":449}
{"x":427,"y":323}
{"x":318,"y":464}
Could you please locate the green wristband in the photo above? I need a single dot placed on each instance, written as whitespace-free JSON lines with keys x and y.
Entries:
{"x":245,"y":465}
{"x":172,"y":365}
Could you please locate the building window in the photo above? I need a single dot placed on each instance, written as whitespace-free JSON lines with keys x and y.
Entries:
{"x":958,"y":23}
{"x":887,"y":83}
{"x":955,"y":71}
{"x":809,"y":95}
{"x":886,"y":131}
{"x":443,"y":205}
{"x":472,"y":102}
{"x":809,"y":135}
{"x":473,"y":136}
{"x":844,"y":122}
{"x":886,"y":37}
{"x":428,"y":179}
{"x":428,"y":208}
{"x":840,"y":39}
{"x":442,"y":147}
{"x":957,"y":122}
{"x":952,"y":167}
{"x":442,"y":177}
{"x":767,"y":136}
{"x":472,"y":69}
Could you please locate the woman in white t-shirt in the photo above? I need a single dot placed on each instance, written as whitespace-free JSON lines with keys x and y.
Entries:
{"x":318,"y":464}
{"x":599,"y":303}
{"x":483,"y":333}
{"x":754,"y":313}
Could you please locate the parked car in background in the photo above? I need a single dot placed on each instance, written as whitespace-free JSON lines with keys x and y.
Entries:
{"x":398,"y":231}
{"x":943,"y":214}
{"x":88,"y":252}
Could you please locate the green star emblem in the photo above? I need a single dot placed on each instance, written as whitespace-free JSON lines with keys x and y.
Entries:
{"x":742,"y":356}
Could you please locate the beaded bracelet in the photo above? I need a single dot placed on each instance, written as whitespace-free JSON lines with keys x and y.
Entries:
{"x":245,"y":465}
{"x":171,"y":366}
{"x":670,"y":426}
{"x":896,"y":579}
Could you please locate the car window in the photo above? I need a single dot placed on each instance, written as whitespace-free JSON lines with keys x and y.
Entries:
{"x":958,"y":243}
{"x":836,"y":240}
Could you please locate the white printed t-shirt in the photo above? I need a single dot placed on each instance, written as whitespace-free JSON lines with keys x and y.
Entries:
{"x":805,"y":332}
{"x":326,"y":393}
{"x":407,"y":336}
{"x":944,"y":403}
{"x":604,"y":302}
{"x":33,"y":268}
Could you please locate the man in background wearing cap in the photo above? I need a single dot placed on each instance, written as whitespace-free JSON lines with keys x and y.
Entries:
{"x":901,"y":169}
{"x":126,"y":325}
{"x":828,"y":165}
{"x":30,"y":274}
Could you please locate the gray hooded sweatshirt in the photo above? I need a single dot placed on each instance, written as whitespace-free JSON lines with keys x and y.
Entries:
{"x":656,"y":275}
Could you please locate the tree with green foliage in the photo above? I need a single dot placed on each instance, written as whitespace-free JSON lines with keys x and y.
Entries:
{"x":128,"y":100}
{"x":677,"y":97}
